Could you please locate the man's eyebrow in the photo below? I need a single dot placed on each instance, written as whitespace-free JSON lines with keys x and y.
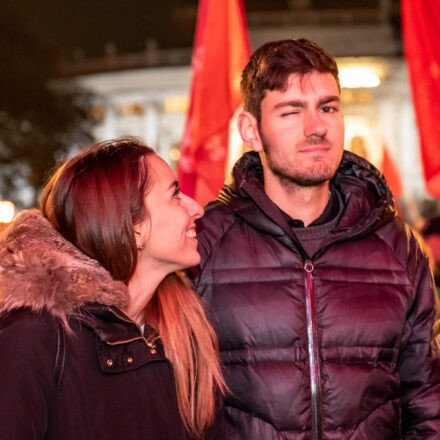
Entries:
{"x":328,"y":99}
{"x":290,"y":103}
{"x":302,"y":104}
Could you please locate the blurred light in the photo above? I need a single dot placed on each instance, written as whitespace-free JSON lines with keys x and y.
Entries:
{"x":132,"y":108}
{"x":358,"y":76}
{"x":98,"y":112}
{"x":352,"y":96}
{"x":174,"y":154}
{"x":7,"y":211}
{"x":176,"y":104}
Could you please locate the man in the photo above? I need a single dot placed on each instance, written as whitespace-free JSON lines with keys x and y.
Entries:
{"x":321,"y":296}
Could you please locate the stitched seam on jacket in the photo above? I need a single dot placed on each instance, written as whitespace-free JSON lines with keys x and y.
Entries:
{"x":238,"y":282}
{"x":301,"y":431}
{"x":368,"y":416}
{"x":404,"y":265}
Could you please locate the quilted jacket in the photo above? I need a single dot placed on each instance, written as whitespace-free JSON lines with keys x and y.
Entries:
{"x":336,"y":345}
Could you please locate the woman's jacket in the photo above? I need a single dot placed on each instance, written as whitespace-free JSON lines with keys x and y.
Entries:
{"x":73,"y":365}
{"x":335,"y":345}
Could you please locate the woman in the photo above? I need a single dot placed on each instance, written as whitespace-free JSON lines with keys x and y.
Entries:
{"x":100,"y":337}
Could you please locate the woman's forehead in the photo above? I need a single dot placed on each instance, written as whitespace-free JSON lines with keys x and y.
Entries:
{"x":160,"y":171}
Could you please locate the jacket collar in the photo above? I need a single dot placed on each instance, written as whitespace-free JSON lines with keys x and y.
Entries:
{"x":368,"y":201}
{"x":110,"y":324}
{"x":40,"y":269}
{"x":120,"y":343}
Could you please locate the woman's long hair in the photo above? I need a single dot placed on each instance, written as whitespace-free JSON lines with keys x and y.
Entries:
{"x":94,"y":200}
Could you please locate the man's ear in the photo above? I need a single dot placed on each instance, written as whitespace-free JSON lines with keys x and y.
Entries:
{"x":248,"y":129}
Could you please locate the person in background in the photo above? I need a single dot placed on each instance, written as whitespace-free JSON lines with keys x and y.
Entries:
{"x":321,"y":297}
{"x":431,"y":232}
{"x":100,"y":335}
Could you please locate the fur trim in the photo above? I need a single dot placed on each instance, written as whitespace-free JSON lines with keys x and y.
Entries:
{"x":41,"y":269}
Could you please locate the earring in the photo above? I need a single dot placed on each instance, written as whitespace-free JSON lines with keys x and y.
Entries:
{"x":141,"y":245}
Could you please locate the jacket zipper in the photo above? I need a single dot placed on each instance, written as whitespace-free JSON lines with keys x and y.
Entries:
{"x":312,"y":345}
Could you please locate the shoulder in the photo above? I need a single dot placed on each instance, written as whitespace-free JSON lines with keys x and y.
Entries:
{"x":28,"y":343}
{"x":214,"y":224}
{"x":406,"y":244}
{"x":29,"y":332}
{"x":211,"y":229}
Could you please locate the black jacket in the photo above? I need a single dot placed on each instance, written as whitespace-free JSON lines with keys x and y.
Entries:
{"x":335,"y":345}
{"x":73,"y":365}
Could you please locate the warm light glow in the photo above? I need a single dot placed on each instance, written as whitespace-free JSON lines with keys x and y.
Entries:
{"x":174,"y":154}
{"x":176,"y":104}
{"x":358,"y":76}
{"x":7,"y":211}
{"x":132,"y":109}
{"x":98,"y":112}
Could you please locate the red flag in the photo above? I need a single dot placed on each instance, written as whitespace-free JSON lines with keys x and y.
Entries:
{"x":221,"y":50}
{"x":421,"y":32}
{"x":392,"y":175}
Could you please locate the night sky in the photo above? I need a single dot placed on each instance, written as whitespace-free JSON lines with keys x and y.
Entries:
{"x":54,"y":30}
{"x":65,"y":26}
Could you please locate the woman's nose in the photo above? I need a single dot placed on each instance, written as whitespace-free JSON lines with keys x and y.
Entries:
{"x":194,"y":209}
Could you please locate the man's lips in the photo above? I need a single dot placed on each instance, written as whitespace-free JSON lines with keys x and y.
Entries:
{"x":316,"y":148}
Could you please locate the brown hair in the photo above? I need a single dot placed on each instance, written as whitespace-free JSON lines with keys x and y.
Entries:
{"x":270,"y":66}
{"x":94,"y":200}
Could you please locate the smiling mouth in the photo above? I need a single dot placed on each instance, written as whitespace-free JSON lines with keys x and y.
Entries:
{"x":191,"y":233}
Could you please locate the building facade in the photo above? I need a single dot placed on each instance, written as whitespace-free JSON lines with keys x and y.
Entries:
{"x":146,"y":94}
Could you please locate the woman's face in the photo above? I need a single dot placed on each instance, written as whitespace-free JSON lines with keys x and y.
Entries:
{"x":169,"y":231}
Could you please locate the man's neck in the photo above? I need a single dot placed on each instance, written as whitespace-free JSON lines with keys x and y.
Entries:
{"x":302,"y":203}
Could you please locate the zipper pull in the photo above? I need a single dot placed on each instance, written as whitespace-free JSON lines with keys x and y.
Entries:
{"x":308,"y":266}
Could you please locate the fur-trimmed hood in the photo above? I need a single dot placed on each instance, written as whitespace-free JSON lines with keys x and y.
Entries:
{"x":40,"y":269}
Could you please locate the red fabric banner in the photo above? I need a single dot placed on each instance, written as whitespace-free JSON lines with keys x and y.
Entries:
{"x":221,"y":50}
{"x":421,"y":32}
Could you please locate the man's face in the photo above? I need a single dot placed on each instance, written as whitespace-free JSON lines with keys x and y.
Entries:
{"x":302,"y":130}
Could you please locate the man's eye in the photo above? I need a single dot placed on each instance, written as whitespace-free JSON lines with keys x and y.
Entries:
{"x":329,"y":109}
{"x":289,"y":113}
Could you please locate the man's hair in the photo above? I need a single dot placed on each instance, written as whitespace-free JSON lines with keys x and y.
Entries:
{"x":270,"y":66}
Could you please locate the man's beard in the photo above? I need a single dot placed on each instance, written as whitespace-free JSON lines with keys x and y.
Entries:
{"x":316,"y":175}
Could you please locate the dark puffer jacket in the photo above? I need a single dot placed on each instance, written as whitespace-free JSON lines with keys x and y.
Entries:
{"x":101,"y":380}
{"x":335,"y":345}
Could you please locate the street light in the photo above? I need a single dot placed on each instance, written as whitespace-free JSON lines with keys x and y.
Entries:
{"x":358,"y":76}
{"x":7,"y":211}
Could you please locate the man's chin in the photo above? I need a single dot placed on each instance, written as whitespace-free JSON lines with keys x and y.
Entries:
{"x":307,"y":179}
{"x":309,"y":182}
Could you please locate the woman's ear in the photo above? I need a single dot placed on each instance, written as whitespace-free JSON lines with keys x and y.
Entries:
{"x":248,"y":129}
{"x":140,"y":242}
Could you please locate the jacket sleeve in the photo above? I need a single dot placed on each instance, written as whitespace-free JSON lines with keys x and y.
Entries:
{"x":419,"y":365}
{"x":27,"y":347}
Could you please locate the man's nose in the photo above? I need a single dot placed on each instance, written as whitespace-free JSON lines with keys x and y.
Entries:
{"x":314,"y":124}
